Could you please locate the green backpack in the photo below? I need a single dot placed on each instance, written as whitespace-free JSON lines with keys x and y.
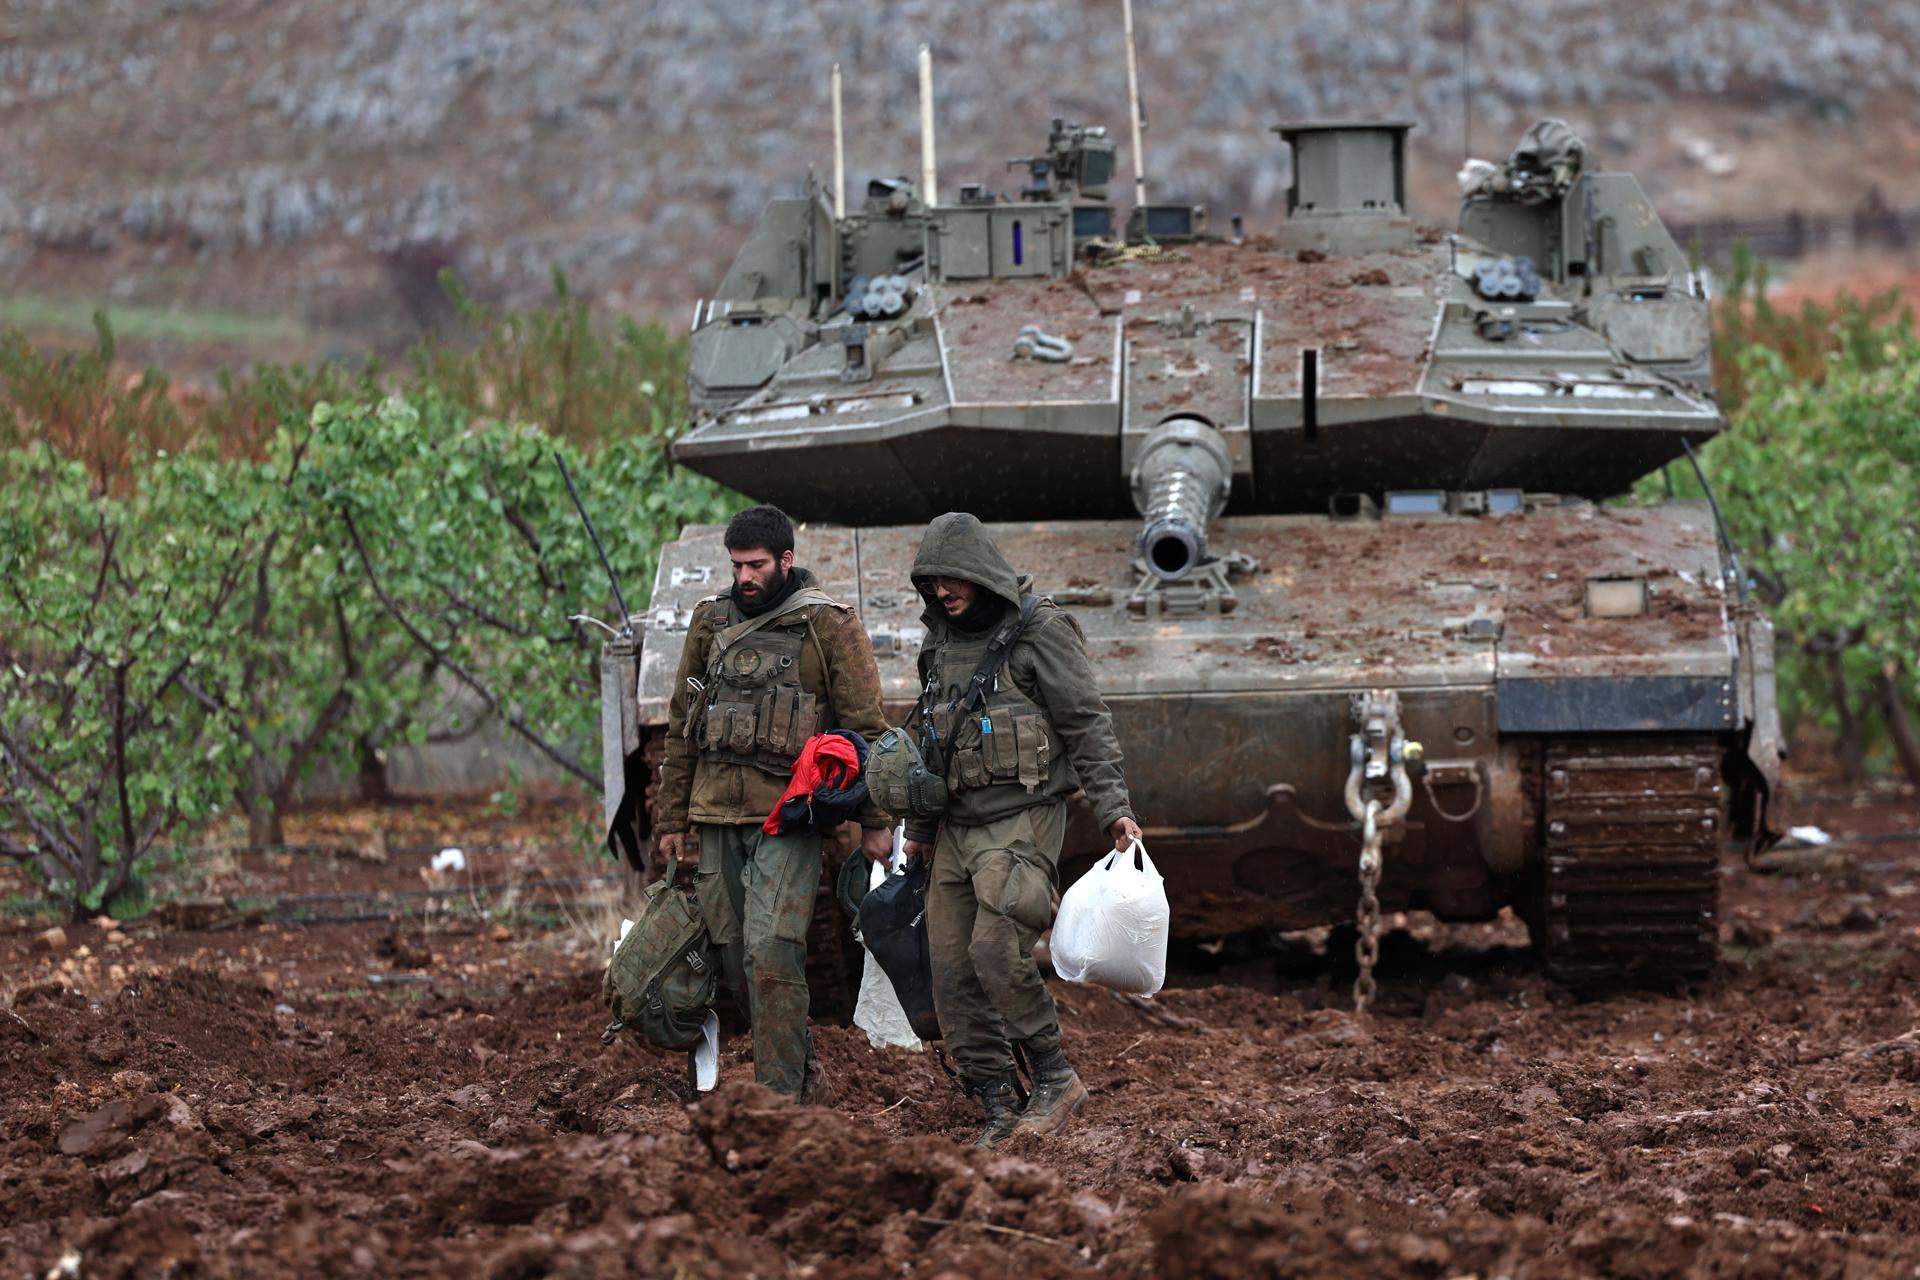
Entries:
{"x":663,"y":977}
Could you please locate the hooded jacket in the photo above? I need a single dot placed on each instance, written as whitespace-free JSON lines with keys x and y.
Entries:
{"x":1048,"y":663}
{"x":836,"y":666}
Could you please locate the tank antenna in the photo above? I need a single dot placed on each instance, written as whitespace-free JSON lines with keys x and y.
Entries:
{"x":619,"y":597}
{"x":1133,"y":107}
{"x":929,"y":183}
{"x":839,"y":151}
{"x":1466,"y":79}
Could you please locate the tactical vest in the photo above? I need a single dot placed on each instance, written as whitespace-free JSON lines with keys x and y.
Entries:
{"x":1008,"y":740}
{"x":754,"y":710}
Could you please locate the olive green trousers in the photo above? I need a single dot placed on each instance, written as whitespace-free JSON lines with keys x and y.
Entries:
{"x":756,"y":894}
{"x":990,"y":897}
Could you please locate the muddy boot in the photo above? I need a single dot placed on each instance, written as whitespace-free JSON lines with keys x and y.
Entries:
{"x":1001,"y":1101}
{"x":1057,"y":1094}
{"x":816,"y":1090}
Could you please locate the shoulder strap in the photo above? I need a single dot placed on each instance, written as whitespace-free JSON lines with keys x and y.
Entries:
{"x":739,"y":631}
{"x":998,"y":650}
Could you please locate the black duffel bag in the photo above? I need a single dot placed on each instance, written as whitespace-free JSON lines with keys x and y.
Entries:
{"x":893,"y":924}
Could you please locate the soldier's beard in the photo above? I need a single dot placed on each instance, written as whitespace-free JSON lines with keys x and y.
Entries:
{"x":755,"y":596}
{"x":761,"y":590}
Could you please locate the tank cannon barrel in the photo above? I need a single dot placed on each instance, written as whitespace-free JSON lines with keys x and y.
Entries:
{"x":1180,"y":483}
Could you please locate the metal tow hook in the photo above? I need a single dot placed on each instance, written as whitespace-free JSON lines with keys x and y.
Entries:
{"x":1378,"y":756}
{"x":1037,"y":344}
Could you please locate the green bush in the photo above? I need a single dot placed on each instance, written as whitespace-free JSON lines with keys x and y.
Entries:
{"x":587,"y":383}
{"x":112,"y":604}
{"x":464,"y":531}
{"x":1816,"y":478}
{"x":1851,"y":333}
{"x":209,"y":597}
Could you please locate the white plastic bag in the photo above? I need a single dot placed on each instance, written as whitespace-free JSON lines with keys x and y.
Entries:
{"x":1113,"y":924}
{"x":877,"y":1011}
{"x":706,"y":1055}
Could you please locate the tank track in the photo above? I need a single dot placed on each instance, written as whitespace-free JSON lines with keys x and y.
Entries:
{"x":1630,"y":885}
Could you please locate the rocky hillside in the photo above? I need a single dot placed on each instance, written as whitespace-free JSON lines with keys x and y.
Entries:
{"x":323,"y":159}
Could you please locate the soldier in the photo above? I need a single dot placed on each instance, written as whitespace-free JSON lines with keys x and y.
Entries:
{"x":1036,"y":732}
{"x":766,"y":666}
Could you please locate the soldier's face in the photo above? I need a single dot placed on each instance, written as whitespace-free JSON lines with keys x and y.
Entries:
{"x":758,"y":573}
{"x":956,"y":595}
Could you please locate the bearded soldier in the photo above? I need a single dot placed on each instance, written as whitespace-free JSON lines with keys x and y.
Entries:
{"x":766,"y":666}
{"x":1015,"y":720}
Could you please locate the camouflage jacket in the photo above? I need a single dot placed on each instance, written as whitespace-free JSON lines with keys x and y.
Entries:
{"x":836,"y":666}
{"x":1049,"y":667}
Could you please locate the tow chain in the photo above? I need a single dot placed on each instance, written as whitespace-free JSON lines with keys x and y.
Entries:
{"x":1366,"y":948}
{"x":1378,"y":756}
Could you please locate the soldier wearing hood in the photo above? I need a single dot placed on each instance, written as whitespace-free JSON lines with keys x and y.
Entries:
{"x":1040,"y":733}
{"x":766,"y":666}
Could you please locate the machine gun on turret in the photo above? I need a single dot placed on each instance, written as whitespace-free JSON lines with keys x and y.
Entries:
{"x":1078,"y":161}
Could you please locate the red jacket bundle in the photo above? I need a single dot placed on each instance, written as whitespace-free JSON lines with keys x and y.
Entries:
{"x":829,"y":785}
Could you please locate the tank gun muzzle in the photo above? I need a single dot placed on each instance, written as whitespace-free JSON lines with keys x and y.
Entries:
{"x":1180,"y":483}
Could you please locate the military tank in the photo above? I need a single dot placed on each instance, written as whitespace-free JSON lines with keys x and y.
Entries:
{"x":1328,"y":500}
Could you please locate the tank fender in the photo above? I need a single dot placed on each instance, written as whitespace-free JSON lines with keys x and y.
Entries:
{"x":1759,"y":699}
{"x":1756,"y":766}
{"x":622,"y":772}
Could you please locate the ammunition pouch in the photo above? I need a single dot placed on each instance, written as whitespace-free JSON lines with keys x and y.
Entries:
{"x":755,"y":711}
{"x":899,"y":780}
{"x":1009,"y":741}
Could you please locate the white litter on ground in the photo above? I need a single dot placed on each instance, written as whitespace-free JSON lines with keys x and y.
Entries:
{"x":1810,"y":835}
{"x":706,"y":1055}
{"x":450,"y":860}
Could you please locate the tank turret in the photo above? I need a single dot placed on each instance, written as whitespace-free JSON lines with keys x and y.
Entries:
{"x":1556,"y":342}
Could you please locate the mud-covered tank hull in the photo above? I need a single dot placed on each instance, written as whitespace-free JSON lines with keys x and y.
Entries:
{"x":1236,"y":724}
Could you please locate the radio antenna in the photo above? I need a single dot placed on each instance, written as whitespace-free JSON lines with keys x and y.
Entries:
{"x":839,"y":151}
{"x":1466,"y":79}
{"x":1133,"y":107}
{"x":619,"y":597}
{"x":929,"y":177}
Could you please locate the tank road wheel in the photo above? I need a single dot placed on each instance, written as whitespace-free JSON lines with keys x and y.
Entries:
{"x":1629,"y":883}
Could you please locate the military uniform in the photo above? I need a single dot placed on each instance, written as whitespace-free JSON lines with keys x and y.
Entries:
{"x":757,"y":694}
{"x":1042,"y":733}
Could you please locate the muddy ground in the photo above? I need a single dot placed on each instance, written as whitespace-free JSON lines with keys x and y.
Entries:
{"x":246,"y":1100}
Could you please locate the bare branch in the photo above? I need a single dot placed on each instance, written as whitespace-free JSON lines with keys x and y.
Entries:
{"x":120,"y":761}
{"x":15,"y":753}
{"x":498,"y":623}
{"x":460,"y":673}
{"x":218,"y":707}
{"x":324,"y":724}
{"x":527,"y":535}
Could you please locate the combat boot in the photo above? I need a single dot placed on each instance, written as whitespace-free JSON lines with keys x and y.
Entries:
{"x":1057,"y":1094}
{"x":1001,"y":1101}
{"x":816,"y":1088}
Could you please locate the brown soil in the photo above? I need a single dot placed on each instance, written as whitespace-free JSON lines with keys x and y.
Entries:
{"x":248,"y":1103}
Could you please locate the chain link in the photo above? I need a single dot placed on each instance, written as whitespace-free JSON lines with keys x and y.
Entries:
{"x":1366,"y":948}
